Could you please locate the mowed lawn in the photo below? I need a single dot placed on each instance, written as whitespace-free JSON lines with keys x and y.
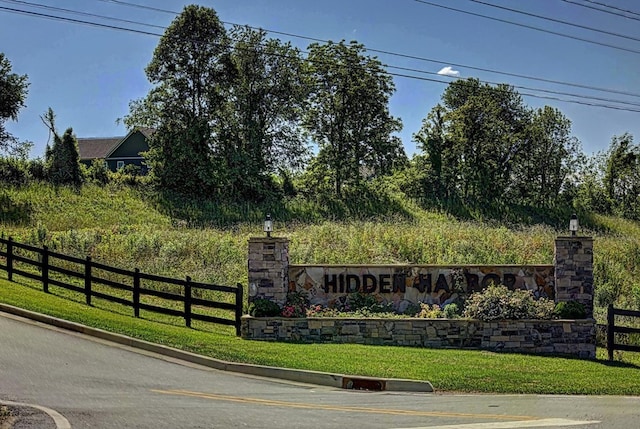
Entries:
{"x":447,"y":370}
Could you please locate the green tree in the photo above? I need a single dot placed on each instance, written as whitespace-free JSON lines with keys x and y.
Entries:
{"x":63,"y":160}
{"x":622,"y":176}
{"x":439,"y":161}
{"x":551,"y":157}
{"x":483,"y":144}
{"x":261,"y":132}
{"x":13,"y":93}
{"x":189,"y":74}
{"x":486,"y":125}
{"x":348,"y":116}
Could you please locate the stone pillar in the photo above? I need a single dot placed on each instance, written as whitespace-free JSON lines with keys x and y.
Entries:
{"x":268,"y":268}
{"x":573,"y":260}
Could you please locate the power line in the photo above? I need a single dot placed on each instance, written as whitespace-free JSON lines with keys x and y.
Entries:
{"x":611,"y":12}
{"x":589,"y":97}
{"x":531,"y":27}
{"x":558,"y":21}
{"x":401,"y":55}
{"x":613,"y":7}
{"x":76,"y":12}
{"x":112,"y":27}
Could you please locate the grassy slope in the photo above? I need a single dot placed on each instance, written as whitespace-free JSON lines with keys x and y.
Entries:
{"x":117,"y":228}
{"x":448,"y":370}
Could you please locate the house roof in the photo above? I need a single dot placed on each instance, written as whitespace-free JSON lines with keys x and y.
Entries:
{"x":103,"y":147}
{"x":96,"y":147}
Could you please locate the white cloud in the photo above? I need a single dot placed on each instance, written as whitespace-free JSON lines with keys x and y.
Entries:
{"x":448,"y":71}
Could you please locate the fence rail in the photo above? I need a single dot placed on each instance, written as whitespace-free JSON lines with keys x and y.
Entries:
{"x":612,"y":329}
{"x":86,"y":273}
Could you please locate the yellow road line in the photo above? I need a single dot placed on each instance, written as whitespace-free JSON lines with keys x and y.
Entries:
{"x":275,"y":403}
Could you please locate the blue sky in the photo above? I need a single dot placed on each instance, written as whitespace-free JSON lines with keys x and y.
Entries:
{"x":88,"y":75}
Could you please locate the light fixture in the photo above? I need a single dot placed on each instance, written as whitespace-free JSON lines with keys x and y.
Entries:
{"x":268,"y":225}
{"x":573,"y":224}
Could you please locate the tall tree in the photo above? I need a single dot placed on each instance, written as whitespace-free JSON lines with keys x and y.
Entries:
{"x":622,"y":176}
{"x":189,"y":71}
{"x":552,"y":155}
{"x":266,"y":96}
{"x":63,"y":160}
{"x":483,"y":144}
{"x":486,"y":126}
{"x":348,"y":117}
{"x":13,"y":92}
{"x":440,"y":161}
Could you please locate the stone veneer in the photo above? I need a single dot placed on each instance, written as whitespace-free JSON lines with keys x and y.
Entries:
{"x":268,"y":268}
{"x":573,"y":260}
{"x":573,"y":280}
{"x":571,"y":337}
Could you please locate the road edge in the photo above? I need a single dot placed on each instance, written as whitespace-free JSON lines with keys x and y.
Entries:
{"x":301,"y":376}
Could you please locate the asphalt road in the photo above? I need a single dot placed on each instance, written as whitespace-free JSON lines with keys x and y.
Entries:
{"x":90,"y":383}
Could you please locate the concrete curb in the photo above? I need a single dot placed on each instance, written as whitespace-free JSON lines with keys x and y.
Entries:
{"x":296,"y":375}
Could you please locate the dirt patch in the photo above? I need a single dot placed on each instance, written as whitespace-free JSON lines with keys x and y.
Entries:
{"x":24,"y":418}
{"x":6,"y":418}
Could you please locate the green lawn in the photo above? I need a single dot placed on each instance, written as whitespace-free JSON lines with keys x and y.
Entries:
{"x":448,"y":370}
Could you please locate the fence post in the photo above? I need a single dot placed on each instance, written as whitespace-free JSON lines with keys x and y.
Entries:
{"x":87,"y":280}
{"x":10,"y":259}
{"x":610,"y":330}
{"x":187,"y":302}
{"x":239,"y":303}
{"x":45,"y":269}
{"x":136,"y":292}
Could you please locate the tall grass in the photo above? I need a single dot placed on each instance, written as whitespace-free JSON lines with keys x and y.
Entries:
{"x":122,"y":227}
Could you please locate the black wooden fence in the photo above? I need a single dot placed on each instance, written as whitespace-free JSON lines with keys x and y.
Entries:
{"x":137,"y":288}
{"x":612,"y":329}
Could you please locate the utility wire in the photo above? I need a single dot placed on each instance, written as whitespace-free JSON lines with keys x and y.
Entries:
{"x":558,"y":21}
{"x":547,"y":91}
{"x":531,"y":27}
{"x":113,"y":27}
{"x":611,"y":12}
{"x":613,"y":7}
{"x":76,"y":12}
{"x":401,"y":55}
{"x":385,"y":65}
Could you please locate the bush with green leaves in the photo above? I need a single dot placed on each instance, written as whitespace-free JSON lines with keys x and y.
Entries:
{"x":263,"y":307}
{"x":13,"y":172}
{"x":570,"y":310}
{"x":499,"y":302}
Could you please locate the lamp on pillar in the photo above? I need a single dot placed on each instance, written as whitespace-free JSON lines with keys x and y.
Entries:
{"x":268,"y":225}
{"x":573,"y":224}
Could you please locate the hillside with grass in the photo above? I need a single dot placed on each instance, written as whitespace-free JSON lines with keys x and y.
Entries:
{"x":126,"y":227}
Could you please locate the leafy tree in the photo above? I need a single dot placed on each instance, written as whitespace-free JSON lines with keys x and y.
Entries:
{"x":483,"y":144}
{"x":189,"y":71}
{"x":552,"y":155}
{"x":348,"y":116}
{"x":622,"y":176}
{"x":13,"y":92}
{"x":63,"y":160}
{"x":261,"y":133}
{"x":438,"y":162}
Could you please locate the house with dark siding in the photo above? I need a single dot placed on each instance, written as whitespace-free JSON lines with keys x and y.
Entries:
{"x":117,"y":152}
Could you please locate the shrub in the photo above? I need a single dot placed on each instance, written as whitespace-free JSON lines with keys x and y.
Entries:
{"x":451,"y":311}
{"x":295,"y":305}
{"x":498,"y":302}
{"x":13,"y":172}
{"x":570,"y":310}
{"x":262,"y":307}
{"x":430,"y":311}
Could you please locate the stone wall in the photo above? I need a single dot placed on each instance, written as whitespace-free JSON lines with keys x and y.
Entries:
{"x":268,"y":268}
{"x":572,"y":337}
{"x":573,"y":260}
